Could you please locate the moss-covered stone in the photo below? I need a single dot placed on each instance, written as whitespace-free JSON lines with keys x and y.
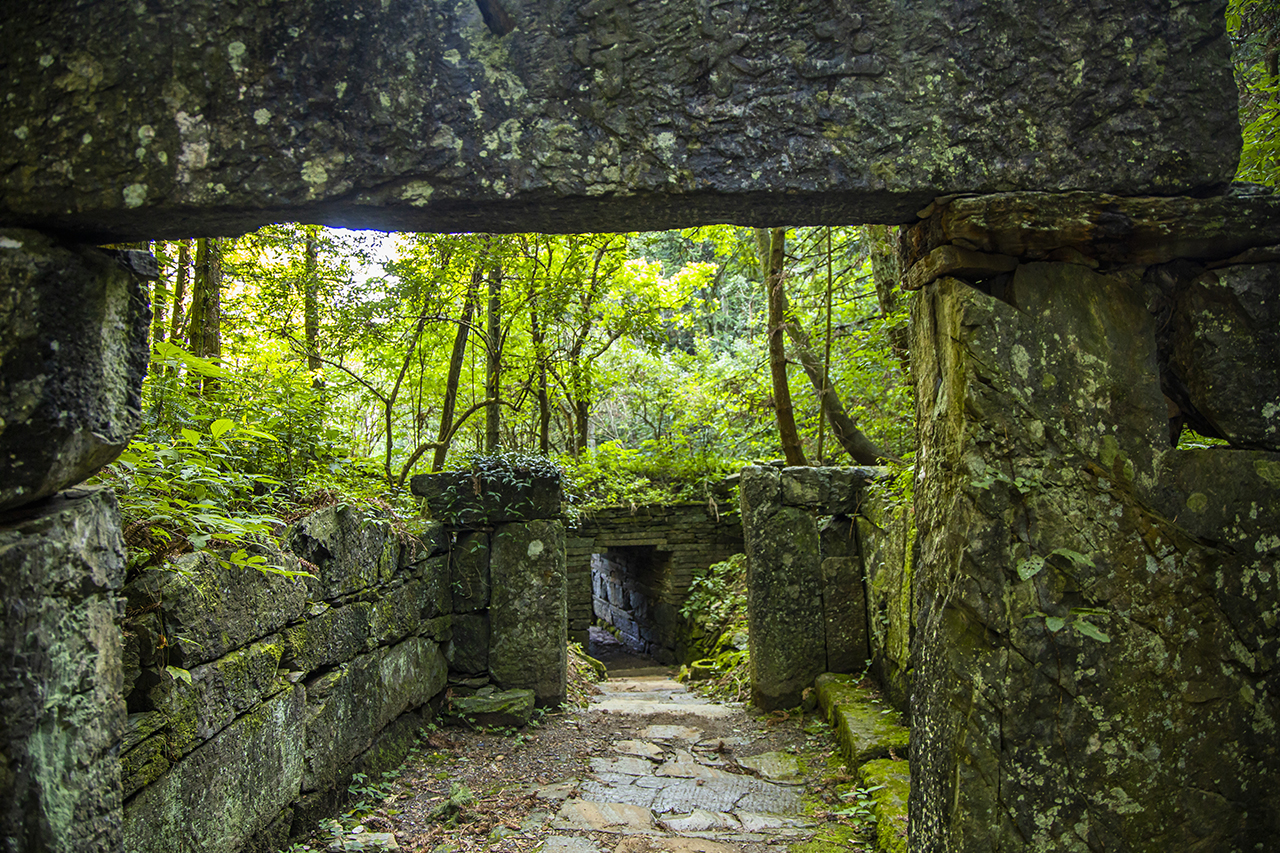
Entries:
{"x":1092,"y":657}
{"x":619,"y":118}
{"x":465,"y":498}
{"x":866,"y":728}
{"x":528,"y":619}
{"x":350,"y":705}
{"x":468,"y":650}
{"x":62,"y":713}
{"x":493,"y":708}
{"x":210,"y":608}
{"x":469,"y":571}
{"x":890,"y":785}
{"x":351,"y":550}
{"x":228,"y":789}
{"x":73,"y":351}
{"x":335,"y":635}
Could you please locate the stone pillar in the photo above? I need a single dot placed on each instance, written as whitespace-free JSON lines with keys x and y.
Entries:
{"x":784,"y":592}
{"x":1094,"y":664}
{"x":529,"y":622}
{"x":61,"y":712}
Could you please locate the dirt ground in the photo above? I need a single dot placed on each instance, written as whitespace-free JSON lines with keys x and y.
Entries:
{"x":428,"y":806}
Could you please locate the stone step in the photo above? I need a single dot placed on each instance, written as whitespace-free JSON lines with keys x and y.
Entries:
{"x":889,"y":782}
{"x":866,"y":727}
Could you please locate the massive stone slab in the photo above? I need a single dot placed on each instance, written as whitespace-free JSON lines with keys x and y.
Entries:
{"x":61,"y":709}
{"x":73,"y":351}
{"x":188,"y":118}
{"x":1094,"y":653}
{"x":528,"y":615}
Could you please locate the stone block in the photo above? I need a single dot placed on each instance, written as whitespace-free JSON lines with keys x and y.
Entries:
{"x":865,"y":727}
{"x":743,"y":128}
{"x":211,"y":608}
{"x":469,"y":571}
{"x":62,"y":712}
{"x":528,"y":618}
{"x":1063,"y":618}
{"x":488,"y":707}
{"x":350,"y":705}
{"x":219,"y":691}
{"x":335,"y":635}
{"x":805,"y":487}
{"x":351,"y":550}
{"x":784,"y":605}
{"x":465,"y":498}
{"x":890,"y":784}
{"x":844,"y":611}
{"x":468,"y":650}
{"x":1225,"y":337}
{"x":227,"y":790}
{"x":74,"y":347}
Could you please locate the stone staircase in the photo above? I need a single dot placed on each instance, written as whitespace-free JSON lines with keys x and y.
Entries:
{"x":875,"y":745}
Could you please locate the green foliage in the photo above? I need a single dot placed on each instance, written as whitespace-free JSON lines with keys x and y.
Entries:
{"x":716,"y":615}
{"x":1254,"y":29}
{"x":654,"y":473}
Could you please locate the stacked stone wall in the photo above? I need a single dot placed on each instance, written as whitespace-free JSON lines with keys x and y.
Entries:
{"x":254,"y":697}
{"x":632,"y":568}
{"x":806,"y":577}
{"x":1095,"y":653}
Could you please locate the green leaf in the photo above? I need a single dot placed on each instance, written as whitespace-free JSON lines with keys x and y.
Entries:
{"x":1054,"y":623}
{"x":177,"y":673}
{"x":1075,"y":557}
{"x":221,"y":426}
{"x":191,"y":436}
{"x":1089,"y":629}
{"x":1030,"y":567}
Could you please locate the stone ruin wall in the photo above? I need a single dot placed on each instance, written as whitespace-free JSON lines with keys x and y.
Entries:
{"x":632,"y":567}
{"x":1095,"y":655}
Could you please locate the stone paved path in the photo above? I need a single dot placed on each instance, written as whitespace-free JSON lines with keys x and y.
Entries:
{"x":669,"y":786}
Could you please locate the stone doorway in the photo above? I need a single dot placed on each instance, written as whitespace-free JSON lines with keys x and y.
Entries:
{"x":631,"y":591}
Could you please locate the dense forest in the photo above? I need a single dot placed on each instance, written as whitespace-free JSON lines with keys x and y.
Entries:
{"x":299,"y":365}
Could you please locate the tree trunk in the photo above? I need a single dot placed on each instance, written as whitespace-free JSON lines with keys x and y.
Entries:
{"x":180,"y":291}
{"x":772,"y":253}
{"x":861,"y":449}
{"x":493,"y":359}
{"x":205,"y":325}
{"x":456,"y":360}
{"x":160,"y":296}
{"x":311,"y":307}
{"x":885,"y":275}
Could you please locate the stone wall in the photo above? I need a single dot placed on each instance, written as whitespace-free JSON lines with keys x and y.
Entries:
{"x":253,"y":698}
{"x":507,"y":555}
{"x":632,"y":569}
{"x":1095,"y":657}
{"x":806,"y":592}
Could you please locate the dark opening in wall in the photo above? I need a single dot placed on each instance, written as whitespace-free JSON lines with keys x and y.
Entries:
{"x":631,"y":590}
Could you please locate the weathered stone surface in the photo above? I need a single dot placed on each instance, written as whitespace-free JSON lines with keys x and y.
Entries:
{"x":218,"y":693}
{"x":463,"y":498}
{"x":784,"y":604}
{"x":887,"y":535}
{"x":350,"y":550}
{"x":468,"y":651}
{"x":494,"y":708}
{"x":210,"y":608}
{"x":61,"y":709}
{"x":1224,"y":345}
{"x":865,"y":727}
{"x":337,"y":634}
{"x":890,"y":785}
{"x":1096,"y":230}
{"x":958,"y":262}
{"x":1088,"y":673}
{"x":350,"y":705}
{"x":201,"y":117}
{"x":805,"y":487}
{"x":73,"y":351}
{"x":528,"y":621}
{"x":469,"y":571}
{"x":844,"y":615}
{"x":228,"y":789}
{"x":410,"y":608}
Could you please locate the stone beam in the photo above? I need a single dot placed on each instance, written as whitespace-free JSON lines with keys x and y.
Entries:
{"x":165,"y":119}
